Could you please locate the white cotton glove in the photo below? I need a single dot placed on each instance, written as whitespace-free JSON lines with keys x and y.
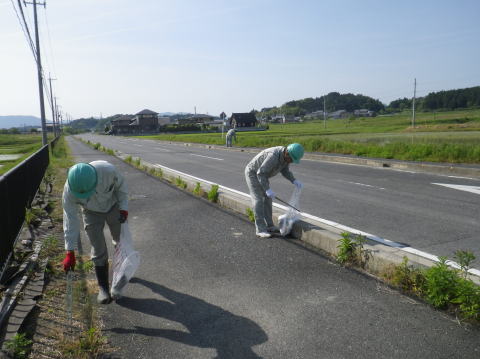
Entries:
{"x":298,"y":184}
{"x":270,"y":194}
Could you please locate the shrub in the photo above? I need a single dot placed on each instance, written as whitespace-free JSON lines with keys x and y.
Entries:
{"x":408,"y":278}
{"x":467,"y":297}
{"x":441,"y":283}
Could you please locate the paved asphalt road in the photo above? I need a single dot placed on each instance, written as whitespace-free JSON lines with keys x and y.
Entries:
{"x":406,"y":207}
{"x":207,"y":288}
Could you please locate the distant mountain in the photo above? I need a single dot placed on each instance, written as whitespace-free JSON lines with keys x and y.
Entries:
{"x":19,"y":121}
{"x":169,"y":114}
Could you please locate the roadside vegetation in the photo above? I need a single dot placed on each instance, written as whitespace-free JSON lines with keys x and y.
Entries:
{"x":441,"y":286}
{"x":449,"y":136}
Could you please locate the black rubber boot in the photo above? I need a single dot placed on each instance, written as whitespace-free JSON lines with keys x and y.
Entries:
{"x":102,"y":279}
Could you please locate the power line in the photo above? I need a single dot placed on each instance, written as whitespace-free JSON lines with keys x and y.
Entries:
{"x":24,"y":27}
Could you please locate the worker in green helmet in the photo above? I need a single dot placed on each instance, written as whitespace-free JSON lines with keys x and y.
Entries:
{"x":264,"y":165}
{"x":102,"y":193}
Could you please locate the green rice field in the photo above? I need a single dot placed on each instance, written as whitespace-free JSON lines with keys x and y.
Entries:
{"x":452,"y":136}
{"x":22,"y":145}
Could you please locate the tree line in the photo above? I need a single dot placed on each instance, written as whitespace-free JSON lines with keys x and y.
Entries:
{"x":334,"y":101}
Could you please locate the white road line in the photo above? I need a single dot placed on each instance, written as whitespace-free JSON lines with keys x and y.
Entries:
{"x":212,"y":158}
{"x":137,"y":145}
{"x":468,"y":178}
{"x":472,"y":189}
{"x":375,"y":238}
{"x":365,"y":185}
{"x":162,"y":149}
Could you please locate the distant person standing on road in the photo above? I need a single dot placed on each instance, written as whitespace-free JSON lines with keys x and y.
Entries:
{"x":101,"y":191}
{"x":230,"y":135}
{"x":264,"y":165}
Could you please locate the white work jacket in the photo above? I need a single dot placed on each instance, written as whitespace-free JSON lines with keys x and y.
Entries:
{"x":268,"y":163}
{"x":111,"y":189}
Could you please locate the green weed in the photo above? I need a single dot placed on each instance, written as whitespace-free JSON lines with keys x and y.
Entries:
{"x":180,"y":183}
{"x":441,"y":282}
{"x":50,"y":246}
{"x":137,"y":162}
{"x":33,"y":215}
{"x":213,"y":193}
{"x":89,"y":345}
{"x":467,"y":297}
{"x":198,"y":189}
{"x":351,"y":249}
{"x":251,"y":215}
{"x":464,"y":259}
{"x":86,"y":266}
{"x":18,"y":346}
{"x":408,"y":278}
{"x":129,"y":159}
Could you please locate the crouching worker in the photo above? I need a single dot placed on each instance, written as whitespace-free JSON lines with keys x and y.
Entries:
{"x":102,"y":193}
{"x":231,"y":134}
{"x":264,"y":165}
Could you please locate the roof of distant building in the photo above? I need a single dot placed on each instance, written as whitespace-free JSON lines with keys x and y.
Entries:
{"x":147,"y":112}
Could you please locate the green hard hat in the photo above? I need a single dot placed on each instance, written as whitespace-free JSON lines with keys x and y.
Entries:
{"x":295,"y":151}
{"x":82,"y":180}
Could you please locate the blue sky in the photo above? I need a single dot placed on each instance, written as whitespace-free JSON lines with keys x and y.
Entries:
{"x":118,"y":56}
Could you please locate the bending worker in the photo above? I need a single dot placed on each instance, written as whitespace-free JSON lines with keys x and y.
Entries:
{"x":230,"y":135}
{"x":102,"y":193}
{"x":264,"y":165}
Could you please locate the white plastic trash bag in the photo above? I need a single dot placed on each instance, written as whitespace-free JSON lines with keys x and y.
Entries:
{"x":286,"y":221}
{"x":125,"y":262}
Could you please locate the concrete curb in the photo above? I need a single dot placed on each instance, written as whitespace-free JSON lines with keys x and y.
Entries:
{"x":318,"y":234}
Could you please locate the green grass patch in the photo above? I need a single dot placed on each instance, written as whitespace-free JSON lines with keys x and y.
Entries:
{"x":450,"y":136}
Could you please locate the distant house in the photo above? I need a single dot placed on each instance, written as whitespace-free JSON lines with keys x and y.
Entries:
{"x":122,"y":125}
{"x":339,"y":114}
{"x":316,"y":114}
{"x":364,"y":113}
{"x":195,"y":119}
{"x":145,"y":121}
{"x":246,"y":119}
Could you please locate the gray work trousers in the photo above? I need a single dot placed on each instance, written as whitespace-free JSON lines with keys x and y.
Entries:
{"x":94,"y":224}
{"x":261,"y":203}
{"x":229,"y":141}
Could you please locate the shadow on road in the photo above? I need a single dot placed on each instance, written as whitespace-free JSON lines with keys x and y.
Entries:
{"x":208,"y":326}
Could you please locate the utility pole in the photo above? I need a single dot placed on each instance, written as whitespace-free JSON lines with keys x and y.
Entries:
{"x":39,"y":70}
{"x":324,"y":114}
{"x":413,"y":102}
{"x":53,"y":107}
{"x":56,"y":111}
